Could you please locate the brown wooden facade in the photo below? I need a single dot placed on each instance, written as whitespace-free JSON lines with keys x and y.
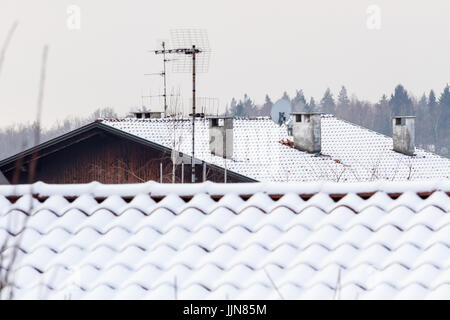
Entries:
{"x":101,"y":153}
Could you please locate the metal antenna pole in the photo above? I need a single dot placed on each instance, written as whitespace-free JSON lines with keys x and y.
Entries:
{"x":193,"y":114}
{"x":185,"y":42}
{"x":165,"y":81}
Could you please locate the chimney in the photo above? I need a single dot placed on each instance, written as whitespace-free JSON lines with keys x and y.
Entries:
{"x":221,"y":136}
{"x":306,"y":131}
{"x":403,"y":134}
{"x":147,"y":115}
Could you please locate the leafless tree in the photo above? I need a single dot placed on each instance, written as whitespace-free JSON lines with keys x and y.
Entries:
{"x":10,"y":248}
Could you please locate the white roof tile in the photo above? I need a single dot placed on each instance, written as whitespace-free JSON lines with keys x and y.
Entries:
{"x":392,"y":245}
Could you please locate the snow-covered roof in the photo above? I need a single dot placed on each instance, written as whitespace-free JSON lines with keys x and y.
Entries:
{"x":378,"y":240}
{"x":349,"y":152}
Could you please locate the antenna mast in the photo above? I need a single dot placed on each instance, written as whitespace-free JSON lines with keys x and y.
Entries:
{"x":192,"y":52}
{"x":164,"y":75}
{"x":165,"y":80}
{"x":186,"y":40}
{"x":193,"y":114}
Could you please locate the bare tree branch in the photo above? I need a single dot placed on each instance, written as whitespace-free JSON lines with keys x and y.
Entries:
{"x":7,"y":275}
{"x":273,"y":284}
{"x":37,"y":133}
{"x":6,"y":43}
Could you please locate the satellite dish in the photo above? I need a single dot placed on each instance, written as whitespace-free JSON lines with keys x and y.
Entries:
{"x":281,"y":111}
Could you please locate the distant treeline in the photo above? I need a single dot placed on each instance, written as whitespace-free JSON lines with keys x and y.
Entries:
{"x":432,"y":112}
{"x":16,"y":138}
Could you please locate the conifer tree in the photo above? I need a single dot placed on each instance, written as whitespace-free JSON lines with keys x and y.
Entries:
{"x":327,"y":103}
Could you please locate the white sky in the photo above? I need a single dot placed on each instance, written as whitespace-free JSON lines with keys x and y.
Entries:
{"x":259,"y":47}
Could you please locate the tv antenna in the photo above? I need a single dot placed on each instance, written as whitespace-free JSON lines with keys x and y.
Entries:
{"x":175,"y":103}
{"x":164,"y":95}
{"x":191,"y":47}
{"x":208,"y":105}
{"x":164,"y":75}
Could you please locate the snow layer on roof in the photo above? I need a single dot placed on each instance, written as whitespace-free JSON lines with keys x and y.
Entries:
{"x":97,"y":189}
{"x":350,"y":153}
{"x":382,"y":247}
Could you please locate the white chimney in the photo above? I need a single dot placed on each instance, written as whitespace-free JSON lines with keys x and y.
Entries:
{"x":221,"y":136}
{"x":403,"y":134}
{"x":306,"y":130}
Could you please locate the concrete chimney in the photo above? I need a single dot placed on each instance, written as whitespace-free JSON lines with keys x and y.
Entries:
{"x":221,"y":136}
{"x":147,"y":114}
{"x":403,"y":134}
{"x":306,"y":130}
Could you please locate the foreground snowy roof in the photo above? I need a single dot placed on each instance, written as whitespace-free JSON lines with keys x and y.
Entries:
{"x":350,"y":153}
{"x":236,"y":241}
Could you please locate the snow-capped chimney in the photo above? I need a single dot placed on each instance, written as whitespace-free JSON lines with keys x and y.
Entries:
{"x":306,"y":130}
{"x":221,"y":136}
{"x":403,"y":134}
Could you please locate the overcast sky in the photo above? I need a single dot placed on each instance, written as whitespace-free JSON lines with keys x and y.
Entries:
{"x":259,"y":47}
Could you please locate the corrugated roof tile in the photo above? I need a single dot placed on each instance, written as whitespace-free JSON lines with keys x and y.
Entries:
{"x":379,"y":246}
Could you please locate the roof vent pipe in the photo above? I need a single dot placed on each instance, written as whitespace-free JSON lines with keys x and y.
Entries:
{"x":403,"y":134}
